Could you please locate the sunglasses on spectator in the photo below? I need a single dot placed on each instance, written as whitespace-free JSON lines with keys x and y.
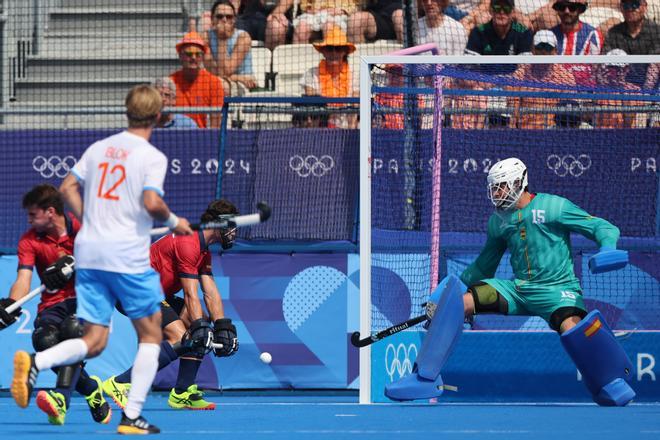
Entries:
{"x":334,"y":48}
{"x":573,"y":7}
{"x":193,"y":53}
{"x":631,"y":6}
{"x":502,"y":8}
{"x":227,"y":17}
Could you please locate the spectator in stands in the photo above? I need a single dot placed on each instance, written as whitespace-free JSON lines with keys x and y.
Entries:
{"x":332,"y":77}
{"x":467,"y":120}
{"x":546,"y":75}
{"x":314,"y":118}
{"x":196,"y":86}
{"x":479,"y":13}
{"x":502,"y":35}
{"x":436,"y":27}
{"x":575,"y":37}
{"x":380,"y":20}
{"x":613,"y":78}
{"x":229,"y":56}
{"x":167,"y":90}
{"x":252,"y":18}
{"x":637,"y":35}
{"x":315,"y":19}
{"x":571,"y":117}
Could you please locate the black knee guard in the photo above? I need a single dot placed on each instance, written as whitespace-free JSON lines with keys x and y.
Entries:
{"x":66,"y":375}
{"x":45,"y":336}
{"x":487,"y":299}
{"x":70,"y":328}
{"x":563,"y":313}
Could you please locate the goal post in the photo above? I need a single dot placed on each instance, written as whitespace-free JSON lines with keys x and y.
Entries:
{"x":578,"y":133}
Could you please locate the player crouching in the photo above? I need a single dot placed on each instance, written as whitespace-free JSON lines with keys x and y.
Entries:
{"x":535,"y":228}
{"x":184,"y":262}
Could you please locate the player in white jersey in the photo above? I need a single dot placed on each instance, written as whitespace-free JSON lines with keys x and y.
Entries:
{"x":122,"y":177}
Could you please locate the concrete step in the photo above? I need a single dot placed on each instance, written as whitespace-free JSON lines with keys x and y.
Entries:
{"x":133,"y":22}
{"x":100,"y":46}
{"x":72,"y":91}
{"x":42,"y":69}
{"x":125,"y":4}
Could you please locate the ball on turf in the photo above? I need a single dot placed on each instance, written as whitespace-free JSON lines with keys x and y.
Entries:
{"x":266,"y":358}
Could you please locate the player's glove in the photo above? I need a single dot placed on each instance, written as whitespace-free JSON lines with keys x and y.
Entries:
{"x":224,"y":332}
{"x":608,"y":259}
{"x":7,"y":319}
{"x":199,"y":337}
{"x":55,"y":276}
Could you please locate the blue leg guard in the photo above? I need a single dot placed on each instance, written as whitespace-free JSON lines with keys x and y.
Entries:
{"x":605,"y":367}
{"x":446,"y":327}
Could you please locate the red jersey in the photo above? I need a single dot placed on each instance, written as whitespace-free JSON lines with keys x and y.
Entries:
{"x":42,"y":250}
{"x":180,"y":256}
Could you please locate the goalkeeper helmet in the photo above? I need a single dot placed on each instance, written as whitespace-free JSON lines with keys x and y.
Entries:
{"x":507,"y":180}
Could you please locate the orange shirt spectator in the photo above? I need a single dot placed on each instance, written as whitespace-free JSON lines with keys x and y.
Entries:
{"x":195,"y":86}
{"x":613,"y":75}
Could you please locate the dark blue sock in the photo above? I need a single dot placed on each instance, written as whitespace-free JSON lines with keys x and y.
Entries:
{"x":187,"y":373}
{"x":167,"y":356}
{"x":85,"y":385}
{"x":66,"y":390}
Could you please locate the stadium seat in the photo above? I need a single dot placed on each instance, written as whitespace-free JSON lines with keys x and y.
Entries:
{"x":288,"y":72}
{"x":596,"y":16}
{"x":261,"y":59}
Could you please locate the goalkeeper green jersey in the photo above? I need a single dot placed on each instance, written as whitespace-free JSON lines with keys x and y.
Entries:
{"x":538,"y":238}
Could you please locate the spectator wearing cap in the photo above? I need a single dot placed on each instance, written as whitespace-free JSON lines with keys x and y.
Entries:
{"x":574,"y":37}
{"x":637,"y":35}
{"x":436,"y":27}
{"x":544,"y":43}
{"x":380,"y":20}
{"x":502,"y":35}
{"x":332,"y":77}
{"x":613,"y":80}
{"x":167,"y":90}
{"x":229,"y":54}
{"x":196,"y":86}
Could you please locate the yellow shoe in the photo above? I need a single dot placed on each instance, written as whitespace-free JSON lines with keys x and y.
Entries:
{"x":98,"y":406}
{"x":25,"y":376}
{"x":54,"y":405}
{"x":118,"y":392}
{"x":189,"y":399}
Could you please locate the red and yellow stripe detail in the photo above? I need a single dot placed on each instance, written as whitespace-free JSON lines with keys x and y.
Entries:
{"x":593,"y":328}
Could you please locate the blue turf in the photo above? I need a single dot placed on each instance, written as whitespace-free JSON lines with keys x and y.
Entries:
{"x":330,"y":417}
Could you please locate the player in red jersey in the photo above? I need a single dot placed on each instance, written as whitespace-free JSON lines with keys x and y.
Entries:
{"x":184,"y":263}
{"x":45,"y":246}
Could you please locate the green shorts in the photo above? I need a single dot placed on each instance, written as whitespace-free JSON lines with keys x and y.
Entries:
{"x":537,"y":300}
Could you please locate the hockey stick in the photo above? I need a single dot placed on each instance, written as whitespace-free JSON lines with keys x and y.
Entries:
{"x":357,"y":342}
{"x":25,"y":299}
{"x":233,"y":221}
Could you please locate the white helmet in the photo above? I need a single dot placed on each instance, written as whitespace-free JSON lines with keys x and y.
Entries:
{"x":507,"y":180}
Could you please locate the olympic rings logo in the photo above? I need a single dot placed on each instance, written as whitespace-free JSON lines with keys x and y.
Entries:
{"x":569,"y":164}
{"x":399,"y":360}
{"x":311,"y":165}
{"x":54,"y":166}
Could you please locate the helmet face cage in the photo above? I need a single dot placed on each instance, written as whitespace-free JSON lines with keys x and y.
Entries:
{"x":507,"y":180}
{"x":227,"y":235}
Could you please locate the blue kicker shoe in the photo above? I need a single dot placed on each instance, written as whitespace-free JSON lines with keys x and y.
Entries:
{"x":413,"y":387}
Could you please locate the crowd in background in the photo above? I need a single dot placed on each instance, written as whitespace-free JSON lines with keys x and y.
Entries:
{"x":216,"y":52}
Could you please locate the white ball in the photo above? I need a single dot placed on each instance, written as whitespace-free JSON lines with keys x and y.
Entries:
{"x":265,"y":357}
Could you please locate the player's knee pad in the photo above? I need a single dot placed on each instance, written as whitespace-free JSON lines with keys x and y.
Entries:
{"x":487,"y":299}
{"x":45,"y":336}
{"x":70,"y":328}
{"x":169,"y":314}
{"x":605,"y":367}
{"x":444,"y":330}
{"x":67,"y":375}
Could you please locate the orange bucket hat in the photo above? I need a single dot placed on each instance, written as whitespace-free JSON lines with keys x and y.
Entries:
{"x":192,"y":38}
{"x":335,"y":37}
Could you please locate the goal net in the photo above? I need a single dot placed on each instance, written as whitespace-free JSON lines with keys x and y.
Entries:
{"x":588,"y":129}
